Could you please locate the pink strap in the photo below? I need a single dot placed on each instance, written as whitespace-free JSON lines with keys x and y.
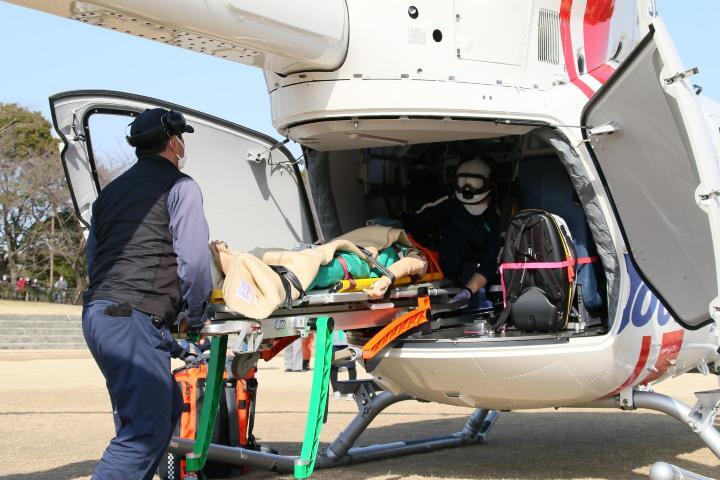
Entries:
{"x":534,"y":265}
{"x":537,"y":266}
{"x":344,"y":265}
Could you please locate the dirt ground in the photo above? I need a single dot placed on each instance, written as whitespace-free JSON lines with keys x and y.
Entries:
{"x":11,"y":307}
{"x":56,"y":421}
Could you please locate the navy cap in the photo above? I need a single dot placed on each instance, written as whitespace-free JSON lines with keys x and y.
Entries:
{"x":157,"y":124}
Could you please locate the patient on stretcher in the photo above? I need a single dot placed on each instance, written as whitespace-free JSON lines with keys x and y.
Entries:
{"x":255,"y":287}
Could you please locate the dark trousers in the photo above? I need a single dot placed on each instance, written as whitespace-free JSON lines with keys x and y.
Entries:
{"x":134,"y":356}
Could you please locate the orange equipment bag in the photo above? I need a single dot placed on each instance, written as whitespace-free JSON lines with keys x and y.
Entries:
{"x":233,"y":425}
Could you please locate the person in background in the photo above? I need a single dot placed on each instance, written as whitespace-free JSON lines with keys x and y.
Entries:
{"x":20,"y":285}
{"x":307,"y":344}
{"x":340,"y":343}
{"x":294,"y":356}
{"x":34,"y":290}
{"x":60,"y":289}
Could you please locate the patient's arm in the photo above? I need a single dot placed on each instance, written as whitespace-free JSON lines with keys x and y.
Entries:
{"x":221,"y":255}
{"x":414,"y":263}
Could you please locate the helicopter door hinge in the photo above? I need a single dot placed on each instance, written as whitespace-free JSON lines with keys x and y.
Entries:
{"x":704,"y":197}
{"x":266,"y":155}
{"x":77,"y":129}
{"x":604,"y":129}
{"x":715,"y":312}
{"x":682,"y":76}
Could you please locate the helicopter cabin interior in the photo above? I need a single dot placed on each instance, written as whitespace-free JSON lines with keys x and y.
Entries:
{"x":532,"y":170}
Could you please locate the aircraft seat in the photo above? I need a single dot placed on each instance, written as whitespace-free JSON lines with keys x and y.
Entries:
{"x":544,"y":184}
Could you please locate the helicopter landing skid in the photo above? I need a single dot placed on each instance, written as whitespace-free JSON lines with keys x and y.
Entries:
{"x":700,"y":419}
{"x":371,"y":401}
{"x":665,"y":471}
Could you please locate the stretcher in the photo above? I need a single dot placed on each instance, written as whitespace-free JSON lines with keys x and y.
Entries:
{"x":351,"y":310}
{"x":403,"y":308}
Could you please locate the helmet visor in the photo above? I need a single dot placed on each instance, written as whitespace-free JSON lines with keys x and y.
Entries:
{"x":467,"y":185}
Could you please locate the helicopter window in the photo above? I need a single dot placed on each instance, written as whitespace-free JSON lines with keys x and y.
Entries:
{"x":110,"y":151}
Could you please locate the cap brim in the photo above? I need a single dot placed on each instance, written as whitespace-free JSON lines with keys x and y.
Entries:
{"x":188,"y":129}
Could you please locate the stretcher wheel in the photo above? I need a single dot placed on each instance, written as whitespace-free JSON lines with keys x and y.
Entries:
{"x":241,"y":364}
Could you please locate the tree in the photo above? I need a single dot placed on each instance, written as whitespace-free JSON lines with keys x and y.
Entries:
{"x":25,"y":141}
{"x":36,"y":215}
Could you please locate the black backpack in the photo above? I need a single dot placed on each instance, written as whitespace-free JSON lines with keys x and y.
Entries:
{"x":537,"y":273}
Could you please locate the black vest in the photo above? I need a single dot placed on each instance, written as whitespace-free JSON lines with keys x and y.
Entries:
{"x":134,"y":261}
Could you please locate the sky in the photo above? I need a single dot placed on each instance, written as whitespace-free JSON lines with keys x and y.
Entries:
{"x":42,"y":55}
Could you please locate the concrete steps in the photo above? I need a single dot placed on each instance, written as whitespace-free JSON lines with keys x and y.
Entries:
{"x":41,"y":332}
{"x":44,"y":346}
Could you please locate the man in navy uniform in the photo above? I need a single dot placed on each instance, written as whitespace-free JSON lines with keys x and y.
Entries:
{"x":148,"y":261}
{"x":464,"y":228}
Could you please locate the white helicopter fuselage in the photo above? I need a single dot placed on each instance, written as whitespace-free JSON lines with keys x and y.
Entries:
{"x":502,"y":82}
{"x":370,"y":73}
{"x":526,"y":374}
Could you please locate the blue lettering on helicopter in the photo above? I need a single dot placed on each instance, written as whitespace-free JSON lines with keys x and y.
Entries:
{"x":642,"y":305}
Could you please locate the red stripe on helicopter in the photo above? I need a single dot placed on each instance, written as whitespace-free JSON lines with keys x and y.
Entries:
{"x":566,"y":39}
{"x":639,"y":366}
{"x":603,"y":73}
{"x":596,"y":32}
{"x":669,"y":351}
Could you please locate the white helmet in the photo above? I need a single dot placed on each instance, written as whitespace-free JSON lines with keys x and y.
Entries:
{"x":473,"y":185}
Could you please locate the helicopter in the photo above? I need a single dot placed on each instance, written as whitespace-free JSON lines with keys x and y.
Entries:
{"x":586,"y":97}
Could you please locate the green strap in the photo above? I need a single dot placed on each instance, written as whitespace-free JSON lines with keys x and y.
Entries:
{"x":318,"y":398}
{"x":195,"y":461}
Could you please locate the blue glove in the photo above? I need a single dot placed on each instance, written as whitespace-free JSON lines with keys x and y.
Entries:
{"x":462,"y":298}
{"x":187,"y":351}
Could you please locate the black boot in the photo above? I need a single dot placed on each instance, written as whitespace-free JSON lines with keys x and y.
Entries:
{"x":306,"y":365}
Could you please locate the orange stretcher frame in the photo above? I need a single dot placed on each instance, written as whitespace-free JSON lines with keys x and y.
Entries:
{"x":397,"y":327}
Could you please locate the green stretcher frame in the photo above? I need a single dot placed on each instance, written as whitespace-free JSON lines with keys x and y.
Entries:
{"x":195,"y":461}
{"x":305,"y":464}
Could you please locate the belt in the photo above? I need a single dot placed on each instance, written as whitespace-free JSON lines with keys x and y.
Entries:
{"x":125,"y":310}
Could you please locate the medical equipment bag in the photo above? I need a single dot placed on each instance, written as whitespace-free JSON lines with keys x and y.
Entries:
{"x":233,"y":425}
{"x":537,"y":273}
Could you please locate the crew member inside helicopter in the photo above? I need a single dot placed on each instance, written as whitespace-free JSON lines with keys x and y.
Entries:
{"x":464,"y":227}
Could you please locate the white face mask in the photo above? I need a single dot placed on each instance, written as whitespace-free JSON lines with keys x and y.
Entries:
{"x":478,"y":208}
{"x":182,"y":160}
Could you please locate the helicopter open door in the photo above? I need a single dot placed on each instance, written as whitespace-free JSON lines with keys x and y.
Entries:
{"x":253,"y":194}
{"x":647,"y":136}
